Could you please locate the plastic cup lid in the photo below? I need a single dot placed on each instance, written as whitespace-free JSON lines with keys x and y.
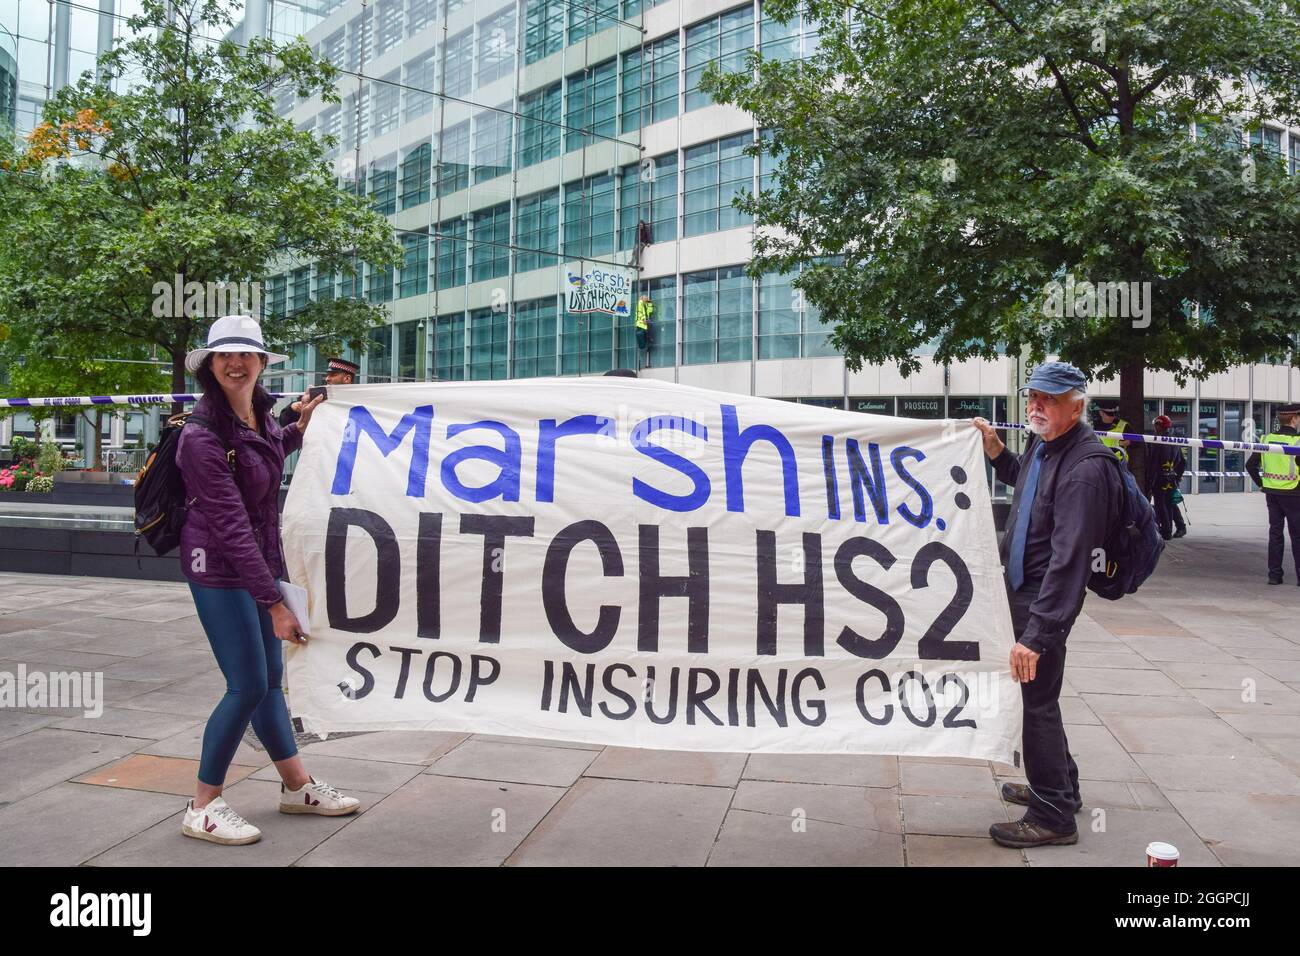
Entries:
{"x":1162,"y":851}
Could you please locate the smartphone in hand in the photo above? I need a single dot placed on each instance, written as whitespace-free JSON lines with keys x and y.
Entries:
{"x":315,"y":392}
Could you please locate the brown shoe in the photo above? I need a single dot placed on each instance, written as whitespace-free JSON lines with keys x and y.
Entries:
{"x":1018,"y":793}
{"x":1021,"y":834}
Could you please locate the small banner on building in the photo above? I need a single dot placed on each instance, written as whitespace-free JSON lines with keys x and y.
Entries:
{"x":631,"y":562}
{"x":594,"y":287}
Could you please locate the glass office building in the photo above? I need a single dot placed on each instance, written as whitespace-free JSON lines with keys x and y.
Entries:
{"x":510,"y":142}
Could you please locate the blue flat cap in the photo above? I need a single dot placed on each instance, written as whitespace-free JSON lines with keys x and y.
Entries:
{"x":1055,"y":378}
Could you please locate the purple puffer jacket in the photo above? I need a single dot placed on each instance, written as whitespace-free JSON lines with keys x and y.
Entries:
{"x":231,"y":537}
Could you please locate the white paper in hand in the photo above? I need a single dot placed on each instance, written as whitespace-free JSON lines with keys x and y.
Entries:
{"x":295,"y":599}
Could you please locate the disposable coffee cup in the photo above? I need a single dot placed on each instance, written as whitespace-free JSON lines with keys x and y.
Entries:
{"x":1162,"y":854}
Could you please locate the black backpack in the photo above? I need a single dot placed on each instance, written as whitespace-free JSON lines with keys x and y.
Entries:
{"x":160,"y":490}
{"x":1133,"y":545}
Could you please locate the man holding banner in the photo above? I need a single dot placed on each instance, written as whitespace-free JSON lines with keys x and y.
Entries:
{"x":1064,"y":503}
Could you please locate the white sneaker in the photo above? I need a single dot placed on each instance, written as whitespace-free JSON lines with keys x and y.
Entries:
{"x":218,"y":823}
{"x":316,"y":796}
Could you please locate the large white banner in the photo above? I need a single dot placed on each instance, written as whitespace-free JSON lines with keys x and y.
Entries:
{"x":638,"y":563}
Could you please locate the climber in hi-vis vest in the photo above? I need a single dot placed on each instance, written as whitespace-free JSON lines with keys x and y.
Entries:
{"x":1108,"y":420}
{"x":1278,"y":475}
{"x":644,"y":310}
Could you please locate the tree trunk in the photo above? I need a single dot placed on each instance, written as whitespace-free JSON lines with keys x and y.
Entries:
{"x":1131,"y":399}
{"x":99,"y":439}
{"x":178,"y":379}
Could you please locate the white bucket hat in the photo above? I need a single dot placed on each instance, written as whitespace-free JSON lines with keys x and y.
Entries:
{"x":232,"y":333}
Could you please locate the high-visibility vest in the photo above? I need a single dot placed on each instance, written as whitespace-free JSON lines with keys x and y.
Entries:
{"x":1114,"y":443}
{"x":643,"y":312}
{"x":1278,"y":471}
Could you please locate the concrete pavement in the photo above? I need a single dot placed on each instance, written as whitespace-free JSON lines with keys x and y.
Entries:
{"x":1182,"y":706}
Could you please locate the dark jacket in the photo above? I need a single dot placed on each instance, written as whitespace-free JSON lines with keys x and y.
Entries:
{"x":234,"y":519}
{"x":1078,"y":501}
{"x":1164,"y":468}
{"x":1252,"y":469}
{"x":288,"y":415}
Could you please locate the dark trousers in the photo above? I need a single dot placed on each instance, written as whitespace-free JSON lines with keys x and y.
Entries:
{"x":1283,"y":509}
{"x":1168,"y":514}
{"x":1053,"y":775}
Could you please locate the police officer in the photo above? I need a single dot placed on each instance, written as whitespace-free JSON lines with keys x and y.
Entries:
{"x":1165,"y":465}
{"x":1278,"y":474}
{"x":1108,"y":420}
{"x":338,"y":371}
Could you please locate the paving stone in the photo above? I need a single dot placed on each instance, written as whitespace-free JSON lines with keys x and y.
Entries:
{"x":395,"y":746}
{"x":761,"y":839}
{"x":851,"y":770}
{"x":1126,"y":659}
{"x":347,"y":773}
{"x":1118,"y":680}
{"x":669,"y":766}
{"x":35,"y":831}
{"x":122,"y":722}
{"x":952,"y":816}
{"x":937,"y":779}
{"x":1125,"y":794}
{"x":60,"y":613}
{"x":1124,"y":840}
{"x":1258,"y":726}
{"x":47,"y":756}
{"x":1220,"y":676}
{"x":1261,"y":701}
{"x":1250,"y":830}
{"x":538,"y":742}
{"x":285,"y":837}
{"x":1178,"y":735}
{"x":1219,"y":774}
{"x":1178,"y":649}
{"x":130,"y":642}
{"x":1282,"y":651}
{"x":441,"y":821}
{"x":1075,"y":710}
{"x":13,"y":723}
{"x":156,"y":774}
{"x":189,"y":744}
{"x":158,"y":613}
{"x":1284,"y":749}
{"x":870,"y":808}
{"x":1282,"y":670}
{"x":53,"y":657}
{"x":1106,"y":706}
{"x":169,"y":700}
{"x":1100,"y":756}
{"x":170,"y":665}
{"x":925,"y":850}
{"x":675,"y":825}
{"x":514,"y":763}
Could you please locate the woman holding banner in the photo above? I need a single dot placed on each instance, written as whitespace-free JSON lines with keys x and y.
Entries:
{"x":231,"y":456}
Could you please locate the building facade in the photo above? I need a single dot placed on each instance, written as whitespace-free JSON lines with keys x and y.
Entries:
{"x":514,"y":143}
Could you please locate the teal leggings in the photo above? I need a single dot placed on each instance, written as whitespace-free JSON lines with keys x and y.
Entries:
{"x":250,"y":657}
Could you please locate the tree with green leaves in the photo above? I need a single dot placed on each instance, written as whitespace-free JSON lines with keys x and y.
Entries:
{"x":32,"y":365}
{"x":952,"y":173}
{"x":127,"y":185}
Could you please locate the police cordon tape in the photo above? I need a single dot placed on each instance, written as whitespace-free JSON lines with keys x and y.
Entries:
{"x":1187,"y":442}
{"x":75,"y":400}
{"x":164,"y":399}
